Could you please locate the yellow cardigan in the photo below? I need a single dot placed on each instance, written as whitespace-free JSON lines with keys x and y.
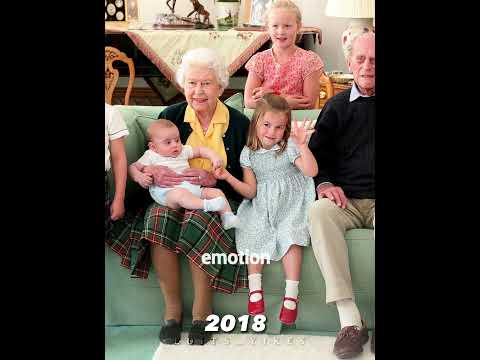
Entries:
{"x":212,"y":139}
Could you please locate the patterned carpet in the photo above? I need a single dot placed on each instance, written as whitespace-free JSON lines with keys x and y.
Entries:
{"x":256,"y":347}
{"x":141,"y":343}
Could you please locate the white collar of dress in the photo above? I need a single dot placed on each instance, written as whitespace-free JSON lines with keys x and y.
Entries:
{"x":273,"y":148}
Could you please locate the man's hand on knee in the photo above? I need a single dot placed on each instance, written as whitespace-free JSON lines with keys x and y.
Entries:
{"x":334,"y":193}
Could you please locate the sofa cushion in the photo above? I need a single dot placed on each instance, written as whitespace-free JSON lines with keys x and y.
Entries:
{"x":296,"y":114}
{"x":143,"y":122}
{"x":135,"y":142}
{"x":235,"y":101}
{"x":130,"y":301}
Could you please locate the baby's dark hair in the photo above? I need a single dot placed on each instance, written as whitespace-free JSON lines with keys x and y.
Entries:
{"x":269,"y":103}
{"x":160,"y":123}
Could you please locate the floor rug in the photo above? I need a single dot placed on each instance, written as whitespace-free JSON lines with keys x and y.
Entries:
{"x":256,"y":347}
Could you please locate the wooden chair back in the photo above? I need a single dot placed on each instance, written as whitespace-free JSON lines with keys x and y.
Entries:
{"x":111,"y":74}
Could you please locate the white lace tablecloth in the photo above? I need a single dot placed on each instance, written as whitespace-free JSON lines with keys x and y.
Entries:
{"x":165,"y":48}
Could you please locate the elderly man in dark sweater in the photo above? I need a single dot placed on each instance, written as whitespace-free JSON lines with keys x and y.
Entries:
{"x":344,"y":146}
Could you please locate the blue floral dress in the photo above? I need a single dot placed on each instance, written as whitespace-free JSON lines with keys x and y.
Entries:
{"x":277,"y":217}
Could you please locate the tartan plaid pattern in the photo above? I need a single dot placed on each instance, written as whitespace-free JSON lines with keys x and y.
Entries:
{"x":188,"y":232}
{"x":191,"y":233}
{"x":120,"y":239}
{"x":117,"y":233}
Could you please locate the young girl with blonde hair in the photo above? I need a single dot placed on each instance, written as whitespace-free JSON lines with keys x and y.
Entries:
{"x":278,"y":188}
{"x":285,"y":69}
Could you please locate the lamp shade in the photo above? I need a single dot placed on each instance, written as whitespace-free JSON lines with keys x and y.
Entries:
{"x":351,"y":8}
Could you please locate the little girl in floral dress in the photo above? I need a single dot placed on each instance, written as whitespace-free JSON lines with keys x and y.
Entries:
{"x":278,"y":189}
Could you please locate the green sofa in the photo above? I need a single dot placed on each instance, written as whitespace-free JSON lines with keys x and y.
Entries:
{"x":131,"y":301}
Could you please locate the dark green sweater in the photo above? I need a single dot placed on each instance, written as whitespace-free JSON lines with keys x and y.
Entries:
{"x":344,"y":145}
{"x":234,"y":140}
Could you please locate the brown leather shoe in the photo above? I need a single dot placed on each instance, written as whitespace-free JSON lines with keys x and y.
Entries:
{"x":350,"y":341}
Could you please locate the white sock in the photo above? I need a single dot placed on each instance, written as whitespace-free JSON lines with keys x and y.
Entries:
{"x":229,"y":220}
{"x":255,"y":283}
{"x":348,"y":313}
{"x":214,"y":204}
{"x":291,"y":290}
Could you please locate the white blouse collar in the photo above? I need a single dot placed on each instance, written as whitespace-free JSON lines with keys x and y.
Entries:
{"x":273,"y":148}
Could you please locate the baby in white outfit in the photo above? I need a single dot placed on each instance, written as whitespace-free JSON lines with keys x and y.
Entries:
{"x":166,"y":149}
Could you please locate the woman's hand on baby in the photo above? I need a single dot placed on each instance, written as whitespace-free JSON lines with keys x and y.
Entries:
{"x":300,"y":134}
{"x":144,"y":179}
{"x":199,"y":177}
{"x":163,"y":176}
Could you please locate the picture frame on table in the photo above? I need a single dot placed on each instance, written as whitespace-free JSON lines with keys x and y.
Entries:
{"x":116,"y":10}
{"x":254,"y":12}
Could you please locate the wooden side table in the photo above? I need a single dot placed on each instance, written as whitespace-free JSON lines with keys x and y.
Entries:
{"x":337,"y":87}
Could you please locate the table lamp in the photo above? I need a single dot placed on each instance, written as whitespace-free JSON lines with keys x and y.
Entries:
{"x":360,"y":12}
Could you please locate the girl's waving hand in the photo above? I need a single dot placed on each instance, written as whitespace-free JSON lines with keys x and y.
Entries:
{"x":300,"y":134}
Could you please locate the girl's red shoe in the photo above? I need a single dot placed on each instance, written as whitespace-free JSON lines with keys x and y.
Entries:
{"x":288,"y":316}
{"x":256,"y":307}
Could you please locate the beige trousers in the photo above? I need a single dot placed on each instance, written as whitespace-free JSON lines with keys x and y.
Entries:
{"x":328,"y":224}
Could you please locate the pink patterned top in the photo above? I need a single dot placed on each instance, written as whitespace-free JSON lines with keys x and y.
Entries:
{"x":287,"y":78}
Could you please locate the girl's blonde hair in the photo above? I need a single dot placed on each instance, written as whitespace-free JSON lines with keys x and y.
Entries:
{"x":269,"y":103}
{"x":283,"y":4}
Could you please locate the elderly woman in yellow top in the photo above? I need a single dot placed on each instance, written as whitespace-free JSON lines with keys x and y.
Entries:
{"x":202,"y":120}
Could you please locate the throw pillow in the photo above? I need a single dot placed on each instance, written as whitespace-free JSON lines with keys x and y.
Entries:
{"x":235,"y":101}
{"x":144,"y":121}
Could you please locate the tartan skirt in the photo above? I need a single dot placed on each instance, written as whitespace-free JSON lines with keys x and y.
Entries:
{"x":190,"y":233}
